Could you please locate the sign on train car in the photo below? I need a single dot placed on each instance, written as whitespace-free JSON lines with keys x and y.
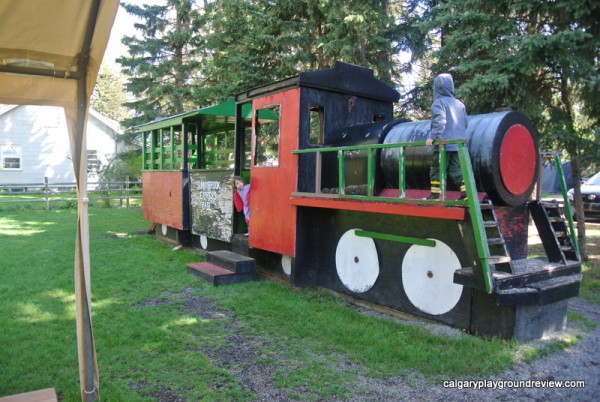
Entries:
{"x":211,"y":198}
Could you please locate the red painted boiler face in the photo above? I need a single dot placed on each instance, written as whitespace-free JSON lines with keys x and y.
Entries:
{"x":517,"y":159}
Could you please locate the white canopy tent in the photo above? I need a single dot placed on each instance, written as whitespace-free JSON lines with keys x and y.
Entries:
{"x":50,"y":53}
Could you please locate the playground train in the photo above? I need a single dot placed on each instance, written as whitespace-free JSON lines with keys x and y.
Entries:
{"x":337,"y":201}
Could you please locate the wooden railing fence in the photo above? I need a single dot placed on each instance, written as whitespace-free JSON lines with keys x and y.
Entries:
{"x":124,"y":191}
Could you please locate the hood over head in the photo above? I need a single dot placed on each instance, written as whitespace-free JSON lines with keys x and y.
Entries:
{"x":443,"y":85}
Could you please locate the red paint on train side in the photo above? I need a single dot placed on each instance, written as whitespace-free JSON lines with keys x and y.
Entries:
{"x":163,"y":197}
{"x":389,"y":208}
{"x":272,"y":216}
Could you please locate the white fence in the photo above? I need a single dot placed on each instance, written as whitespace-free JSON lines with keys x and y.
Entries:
{"x":124,"y":191}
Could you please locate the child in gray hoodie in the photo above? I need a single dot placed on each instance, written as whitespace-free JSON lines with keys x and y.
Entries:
{"x":448,"y":122}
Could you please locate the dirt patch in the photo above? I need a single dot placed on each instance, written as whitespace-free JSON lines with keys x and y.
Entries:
{"x":165,"y":298}
{"x":243,"y":353}
{"x":123,"y":235}
{"x":256,"y":361}
{"x":240,"y":352}
{"x":162,"y":394}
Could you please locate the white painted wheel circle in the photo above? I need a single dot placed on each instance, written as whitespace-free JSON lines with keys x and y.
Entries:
{"x":286,"y":264}
{"x":428,"y":277}
{"x":164,"y":228}
{"x":203,"y":242}
{"x":356,"y":262}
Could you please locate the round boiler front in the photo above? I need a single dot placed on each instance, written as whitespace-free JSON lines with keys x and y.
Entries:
{"x":503,"y":148}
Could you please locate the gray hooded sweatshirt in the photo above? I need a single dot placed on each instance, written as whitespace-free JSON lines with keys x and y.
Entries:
{"x":449,"y":115}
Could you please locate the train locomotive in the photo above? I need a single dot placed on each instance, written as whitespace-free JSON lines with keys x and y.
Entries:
{"x":337,"y":201}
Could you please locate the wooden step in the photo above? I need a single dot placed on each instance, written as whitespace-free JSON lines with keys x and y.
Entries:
{"x":517,"y":296}
{"x":466,"y":277}
{"x":532,"y":270}
{"x":217,"y":275}
{"x":499,"y":259}
{"x":541,"y":293}
{"x":550,"y":204}
{"x":558,"y":288}
{"x":232,"y":261}
{"x":533,"y":281}
{"x":495,"y":241}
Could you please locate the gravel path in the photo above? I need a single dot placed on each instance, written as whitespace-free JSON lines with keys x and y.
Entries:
{"x":580,"y":362}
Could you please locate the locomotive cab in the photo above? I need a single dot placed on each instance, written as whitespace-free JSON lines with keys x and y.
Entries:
{"x":310,"y":108}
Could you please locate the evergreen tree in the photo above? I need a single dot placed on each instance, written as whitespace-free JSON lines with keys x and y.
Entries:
{"x":249,"y":43}
{"x":539,"y":57}
{"x":193,"y":54}
{"x":108,"y":97}
{"x":162,"y":60}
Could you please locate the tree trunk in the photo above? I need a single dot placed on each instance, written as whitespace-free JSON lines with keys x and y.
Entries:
{"x":577,"y":200}
{"x":575,"y":171}
{"x":178,"y":58}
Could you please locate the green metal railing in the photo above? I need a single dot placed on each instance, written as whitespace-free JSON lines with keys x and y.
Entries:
{"x":481,"y":242}
{"x":370,"y":149}
{"x":567,"y":204}
{"x":472,"y":201}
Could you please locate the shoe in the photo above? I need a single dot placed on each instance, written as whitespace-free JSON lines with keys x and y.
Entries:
{"x":463,"y":196}
{"x":246,"y":234}
{"x":433,"y":197}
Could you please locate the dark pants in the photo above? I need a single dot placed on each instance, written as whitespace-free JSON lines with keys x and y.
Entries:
{"x":454,"y":176}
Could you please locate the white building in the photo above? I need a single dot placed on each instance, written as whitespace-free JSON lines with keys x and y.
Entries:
{"x":34,"y":144}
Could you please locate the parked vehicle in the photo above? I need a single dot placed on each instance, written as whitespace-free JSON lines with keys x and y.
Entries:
{"x":590,"y":194}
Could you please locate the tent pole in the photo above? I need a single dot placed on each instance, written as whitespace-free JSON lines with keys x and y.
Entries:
{"x":88,"y":369}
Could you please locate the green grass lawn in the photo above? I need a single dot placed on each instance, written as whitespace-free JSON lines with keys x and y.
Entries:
{"x":590,"y":286}
{"x":149,"y":340}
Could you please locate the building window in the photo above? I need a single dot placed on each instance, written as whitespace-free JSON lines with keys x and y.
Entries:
{"x":11,"y":157}
{"x":266,"y":137}
{"x":93,"y":161}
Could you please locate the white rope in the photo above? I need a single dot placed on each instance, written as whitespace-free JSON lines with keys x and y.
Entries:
{"x":90,"y":392}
